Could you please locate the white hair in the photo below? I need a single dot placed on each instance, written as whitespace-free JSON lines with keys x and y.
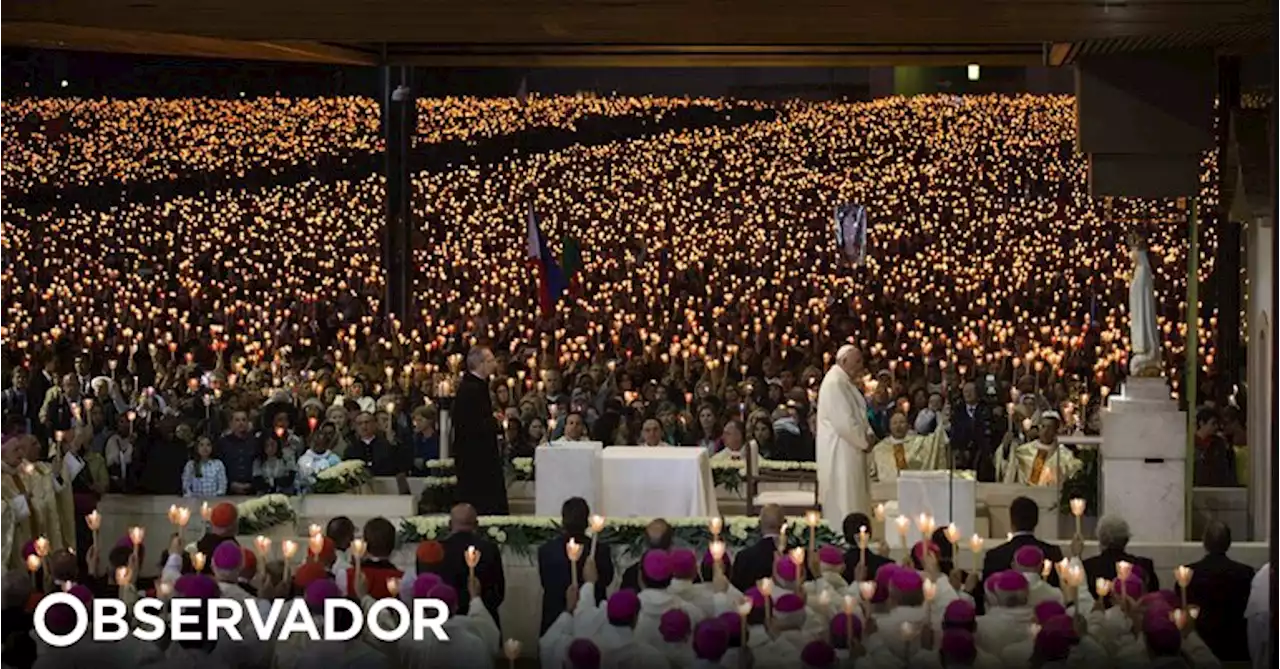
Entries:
{"x":475,"y":357}
{"x":1113,"y":532}
{"x":844,"y":352}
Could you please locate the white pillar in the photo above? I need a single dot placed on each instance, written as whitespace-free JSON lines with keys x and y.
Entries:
{"x":1261,"y":235}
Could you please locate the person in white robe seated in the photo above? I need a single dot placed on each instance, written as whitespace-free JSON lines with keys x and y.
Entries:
{"x":818,"y":655}
{"x":904,"y":450}
{"x":961,"y":616}
{"x":710,"y":644}
{"x":656,"y":597}
{"x":1085,"y":652}
{"x":1030,"y":562}
{"x":1150,"y":617}
{"x":61,"y":619}
{"x":582,"y":654}
{"x":675,"y":628}
{"x":1008,"y":618}
{"x":789,"y":616}
{"x":735,"y":447}
{"x":1043,"y":462}
{"x":830,"y":575}
{"x":354,"y":653}
{"x":618,"y":641}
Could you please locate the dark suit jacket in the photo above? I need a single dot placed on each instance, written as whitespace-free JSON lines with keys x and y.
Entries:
{"x":1000,"y":558}
{"x":1220,"y":587}
{"x":630,"y":578}
{"x":453,"y":570}
{"x":553,"y":571}
{"x":874,"y":563}
{"x":1103,"y":565}
{"x":971,"y":440}
{"x":753,"y":563}
{"x":387,"y":459}
{"x":477,"y":461}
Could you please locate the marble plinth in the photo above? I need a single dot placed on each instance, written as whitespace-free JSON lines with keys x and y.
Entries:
{"x":1143,"y":463}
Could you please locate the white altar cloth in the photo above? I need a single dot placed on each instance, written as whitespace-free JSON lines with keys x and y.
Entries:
{"x":566,"y":469}
{"x":640,"y":481}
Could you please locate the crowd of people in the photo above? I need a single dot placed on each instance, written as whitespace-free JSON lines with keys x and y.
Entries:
{"x":195,"y":339}
{"x":774,"y":603}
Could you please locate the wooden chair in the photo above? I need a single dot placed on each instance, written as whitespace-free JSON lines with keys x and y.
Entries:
{"x":793,"y":502}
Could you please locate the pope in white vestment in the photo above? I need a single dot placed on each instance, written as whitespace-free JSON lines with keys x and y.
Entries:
{"x":842,"y":438}
{"x":902,"y":450}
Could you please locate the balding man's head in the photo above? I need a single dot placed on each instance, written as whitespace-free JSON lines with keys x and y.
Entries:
{"x":462,"y":518}
{"x":659,"y":534}
{"x":62,"y":565}
{"x":771,"y":519}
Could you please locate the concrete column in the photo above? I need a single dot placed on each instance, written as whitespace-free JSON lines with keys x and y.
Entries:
{"x":1261,"y":349}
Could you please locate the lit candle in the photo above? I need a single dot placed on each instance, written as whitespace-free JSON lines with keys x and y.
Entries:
{"x":205,"y":511}
{"x":903,"y":524}
{"x":184,"y":517}
{"x":33,"y":566}
{"x":197,"y":561}
{"x":472,"y":556}
{"x":812,"y":518}
{"x":1077,"y":510}
{"x":797,"y":558}
{"x":316,"y":543}
{"x":716,"y":524}
{"x":975,"y":547}
{"x":1183,"y":577}
{"x":393,"y":586}
{"x":511,"y":648}
{"x":863,"y":540}
{"x":314,"y":530}
{"x":1102,"y":586}
{"x":744,"y":610}
{"x":573,"y":550}
{"x":879,"y":511}
{"x":953,"y":537}
{"x":765,"y":586}
{"x":136,"y":535}
{"x":717,"y":549}
{"x":597,"y":526}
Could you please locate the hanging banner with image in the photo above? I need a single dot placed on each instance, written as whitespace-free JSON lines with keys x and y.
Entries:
{"x":851,"y":232}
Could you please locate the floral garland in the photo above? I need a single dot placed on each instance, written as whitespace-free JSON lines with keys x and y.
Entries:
{"x":725,"y":474}
{"x":263,"y":513}
{"x":523,"y":534}
{"x":340,"y":478}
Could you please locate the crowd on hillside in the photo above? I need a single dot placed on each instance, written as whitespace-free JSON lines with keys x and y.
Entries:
{"x":226,"y":330}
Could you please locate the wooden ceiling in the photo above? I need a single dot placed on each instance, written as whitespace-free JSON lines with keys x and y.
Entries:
{"x":623,"y":32}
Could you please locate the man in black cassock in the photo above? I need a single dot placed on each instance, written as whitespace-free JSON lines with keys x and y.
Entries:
{"x":477,"y":461}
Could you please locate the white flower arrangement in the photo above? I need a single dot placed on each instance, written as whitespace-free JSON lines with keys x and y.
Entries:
{"x":768,"y":465}
{"x":522,"y":465}
{"x":440,"y":481}
{"x":264,"y":512}
{"x":340,"y":478}
{"x":522,"y":534}
{"x":442,"y":463}
{"x":341,"y":470}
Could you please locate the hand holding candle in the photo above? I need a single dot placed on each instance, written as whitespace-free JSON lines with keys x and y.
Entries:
{"x":717,"y":549}
{"x":472,"y":556}
{"x":903,"y":524}
{"x":573,"y":550}
{"x":205,"y":511}
{"x":1182,"y":575}
{"x":975,"y":547}
{"x":136,"y":535}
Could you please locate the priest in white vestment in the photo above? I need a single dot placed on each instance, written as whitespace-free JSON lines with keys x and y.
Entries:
{"x":843,"y":438}
{"x":902,"y":450}
{"x":1043,"y":462}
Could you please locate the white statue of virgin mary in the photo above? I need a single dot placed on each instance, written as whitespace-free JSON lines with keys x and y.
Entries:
{"x":1144,"y":336}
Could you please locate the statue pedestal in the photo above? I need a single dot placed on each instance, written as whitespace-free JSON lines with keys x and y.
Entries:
{"x":1143,"y":460}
